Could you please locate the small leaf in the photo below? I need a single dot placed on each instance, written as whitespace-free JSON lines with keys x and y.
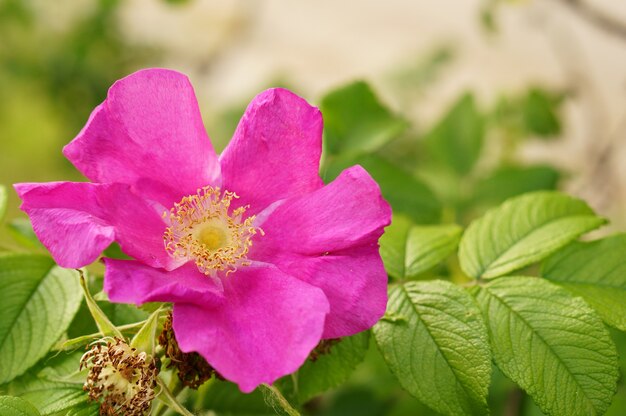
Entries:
{"x":539,"y":111}
{"x":523,"y":230}
{"x":274,"y":398}
{"x":596,"y":271}
{"x":406,"y":194}
{"x":550,"y":343}
{"x":39,"y":301}
{"x":408,"y":250}
{"x":144,"y":339}
{"x":441,"y":354}
{"x":355,"y":121}
{"x":328,"y":370}
{"x":457,"y":139}
{"x":14,"y":406}
{"x":3,"y":201}
{"x":103,"y":323}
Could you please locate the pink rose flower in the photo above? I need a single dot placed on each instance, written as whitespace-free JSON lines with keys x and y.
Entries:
{"x":260,"y":260}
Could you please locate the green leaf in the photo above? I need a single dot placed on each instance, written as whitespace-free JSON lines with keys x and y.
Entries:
{"x":3,"y":201}
{"x":550,"y":343}
{"x":274,"y":398}
{"x":438,"y":350}
{"x":22,"y":232}
{"x":171,"y":401}
{"x":103,"y":323}
{"x":406,"y":194}
{"x":355,"y":121}
{"x":328,"y":370}
{"x":523,"y":230}
{"x":39,"y":302}
{"x":539,"y":111}
{"x":408,"y":250}
{"x":595,"y":271}
{"x":509,"y":181}
{"x":52,"y":398}
{"x":457,"y":139}
{"x":14,"y":406}
{"x":147,"y":334}
{"x":55,"y":386}
{"x":225,"y":398}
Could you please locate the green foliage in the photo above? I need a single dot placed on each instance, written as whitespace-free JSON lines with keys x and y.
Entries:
{"x":539,"y":112}
{"x":329,"y":369}
{"x":22,"y":232}
{"x":104,"y":324}
{"x":509,"y":181}
{"x":356,"y":122}
{"x":277,"y":401}
{"x":224,"y":397}
{"x":435,"y":342}
{"x":457,"y":139}
{"x":39,"y":302}
{"x":14,"y":406}
{"x":406,"y":194}
{"x":595,"y":271}
{"x":409,"y":250}
{"x":54,"y":386}
{"x":522,"y":231}
{"x":551,"y":344}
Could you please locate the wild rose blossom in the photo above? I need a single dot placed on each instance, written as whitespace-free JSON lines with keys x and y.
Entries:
{"x":260,"y":260}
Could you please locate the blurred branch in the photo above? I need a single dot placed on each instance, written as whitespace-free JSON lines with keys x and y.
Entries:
{"x":597,"y":17}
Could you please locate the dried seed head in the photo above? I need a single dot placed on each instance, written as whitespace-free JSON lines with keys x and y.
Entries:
{"x":120,"y":378}
{"x":193,"y":370}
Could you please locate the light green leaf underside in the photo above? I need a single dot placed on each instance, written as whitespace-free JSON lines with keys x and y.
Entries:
{"x":436,"y":344}
{"x":597,"y":272}
{"x":328,"y":370}
{"x":551,"y":344}
{"x":39,"y":301}
{"x":523,"y":230}
{"x":14,"y":406}
{"x":409,"y":250}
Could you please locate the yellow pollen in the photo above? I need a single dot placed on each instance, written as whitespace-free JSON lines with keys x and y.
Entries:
{"x":203,"y":229}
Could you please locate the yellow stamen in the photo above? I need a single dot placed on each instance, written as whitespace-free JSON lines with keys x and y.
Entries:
{"x":203,"y":230}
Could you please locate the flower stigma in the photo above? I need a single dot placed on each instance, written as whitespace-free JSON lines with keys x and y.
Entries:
{"x":201,"y":229}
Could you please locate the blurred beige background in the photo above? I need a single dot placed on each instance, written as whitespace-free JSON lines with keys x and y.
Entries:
{"x":232,"y":49}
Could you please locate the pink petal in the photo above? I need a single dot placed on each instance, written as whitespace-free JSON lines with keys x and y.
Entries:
{"x":77,"y":220}
{"x":329,"y":238}
{"x":353,"y":280}
{"x":149,"y":127}
{"x":348,"y":212}
{"x":275,"y":151}
{"x":128,"y":281}
{"x":265,"y":329}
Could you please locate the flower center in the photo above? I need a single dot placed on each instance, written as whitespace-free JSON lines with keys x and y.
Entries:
{"x":203,"y":229}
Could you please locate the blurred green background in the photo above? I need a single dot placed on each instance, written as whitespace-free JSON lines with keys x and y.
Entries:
{"x":452,"y":106}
